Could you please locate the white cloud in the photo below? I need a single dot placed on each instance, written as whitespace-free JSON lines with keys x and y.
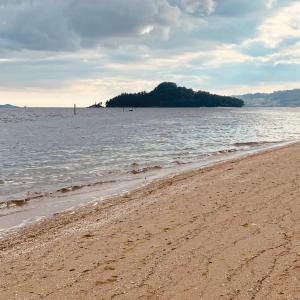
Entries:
{"x":270,"y":3}
{"x":289,"y":55}
{"x":226,"y":54}
{"x":284,"y":25}
{"x":262,"y":87}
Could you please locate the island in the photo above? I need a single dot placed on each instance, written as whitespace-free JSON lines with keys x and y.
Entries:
{"x":96,"y":105}
{"x":168,"y":94}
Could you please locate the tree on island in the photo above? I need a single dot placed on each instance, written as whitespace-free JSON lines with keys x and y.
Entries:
{"x":168,"y":94}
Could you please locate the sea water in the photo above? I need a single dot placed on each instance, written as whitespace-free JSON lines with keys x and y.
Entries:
{"x":52,"y":160}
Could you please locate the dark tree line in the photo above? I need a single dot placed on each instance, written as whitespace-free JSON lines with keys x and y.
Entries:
{"x":168,"y":94}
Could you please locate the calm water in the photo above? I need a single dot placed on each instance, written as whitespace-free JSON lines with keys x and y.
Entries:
{"x":54,"y":160}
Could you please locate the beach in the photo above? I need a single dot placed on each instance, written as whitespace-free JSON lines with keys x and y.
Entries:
{"x":228,"y":231}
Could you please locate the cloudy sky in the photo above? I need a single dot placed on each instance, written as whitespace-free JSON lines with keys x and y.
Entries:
{"x":60,"y":52}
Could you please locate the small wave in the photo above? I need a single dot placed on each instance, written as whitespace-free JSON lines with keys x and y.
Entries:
{"x":254,"y":144}
{"x":21,"y":202}
{"x":227,"y":151}
{"x":74,"y":188}
{"x":14,"y":203}
{"x":146,"y":169}
{"x":69,"y":189}
{"x":178,"y":162}
{"x":5,"y":181}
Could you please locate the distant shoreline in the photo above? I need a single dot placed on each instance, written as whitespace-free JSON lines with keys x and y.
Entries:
{"x":8,"y":106}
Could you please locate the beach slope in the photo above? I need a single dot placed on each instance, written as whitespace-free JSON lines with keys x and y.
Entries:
{"x":230,"y":231}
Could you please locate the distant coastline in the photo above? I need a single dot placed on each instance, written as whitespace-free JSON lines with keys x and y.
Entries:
{"x":8,"y":106}
{"x":168,"y":94}
{"x":287,"y":98}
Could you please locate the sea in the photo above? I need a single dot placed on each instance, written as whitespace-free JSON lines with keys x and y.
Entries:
{"x":52,"y":160}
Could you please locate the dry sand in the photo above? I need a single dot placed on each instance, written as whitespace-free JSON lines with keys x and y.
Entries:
{"x":225,"y":232}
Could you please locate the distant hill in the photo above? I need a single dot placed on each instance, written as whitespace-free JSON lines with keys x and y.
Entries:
{"x":7,"y":106}
{"x":96,"y":105}
{"x":289,"y":98}
{"x":168,"y":94}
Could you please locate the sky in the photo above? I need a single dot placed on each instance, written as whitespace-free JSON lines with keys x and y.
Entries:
{"x":62,"y":52}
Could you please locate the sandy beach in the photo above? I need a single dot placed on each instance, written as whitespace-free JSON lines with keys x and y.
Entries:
{"x":230,"y":231}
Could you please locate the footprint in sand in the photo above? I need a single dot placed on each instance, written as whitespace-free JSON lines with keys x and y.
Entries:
{"x":109,"y":268}
{"x":109,"y":280}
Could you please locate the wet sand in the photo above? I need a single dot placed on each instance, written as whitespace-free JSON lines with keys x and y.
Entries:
{"x":230,"y":231}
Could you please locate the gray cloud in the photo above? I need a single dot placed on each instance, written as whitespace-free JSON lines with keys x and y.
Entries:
{"x":35,"y":25}
{"x":195,"y":7}
{"x":73,"y":24}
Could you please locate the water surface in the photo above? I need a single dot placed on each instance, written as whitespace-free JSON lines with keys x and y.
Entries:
{"x":51,"y":160}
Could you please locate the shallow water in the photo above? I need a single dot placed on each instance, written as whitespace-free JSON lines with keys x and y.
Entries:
{"x":51,"y":160}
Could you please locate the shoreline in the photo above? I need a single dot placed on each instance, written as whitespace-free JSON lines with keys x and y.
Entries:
{"x":134,"y":184}
{"x":87,"y":207}
{"x":180,"y":218}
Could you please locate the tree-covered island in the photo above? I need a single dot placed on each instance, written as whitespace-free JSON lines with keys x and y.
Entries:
{"x":168,"y":94}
